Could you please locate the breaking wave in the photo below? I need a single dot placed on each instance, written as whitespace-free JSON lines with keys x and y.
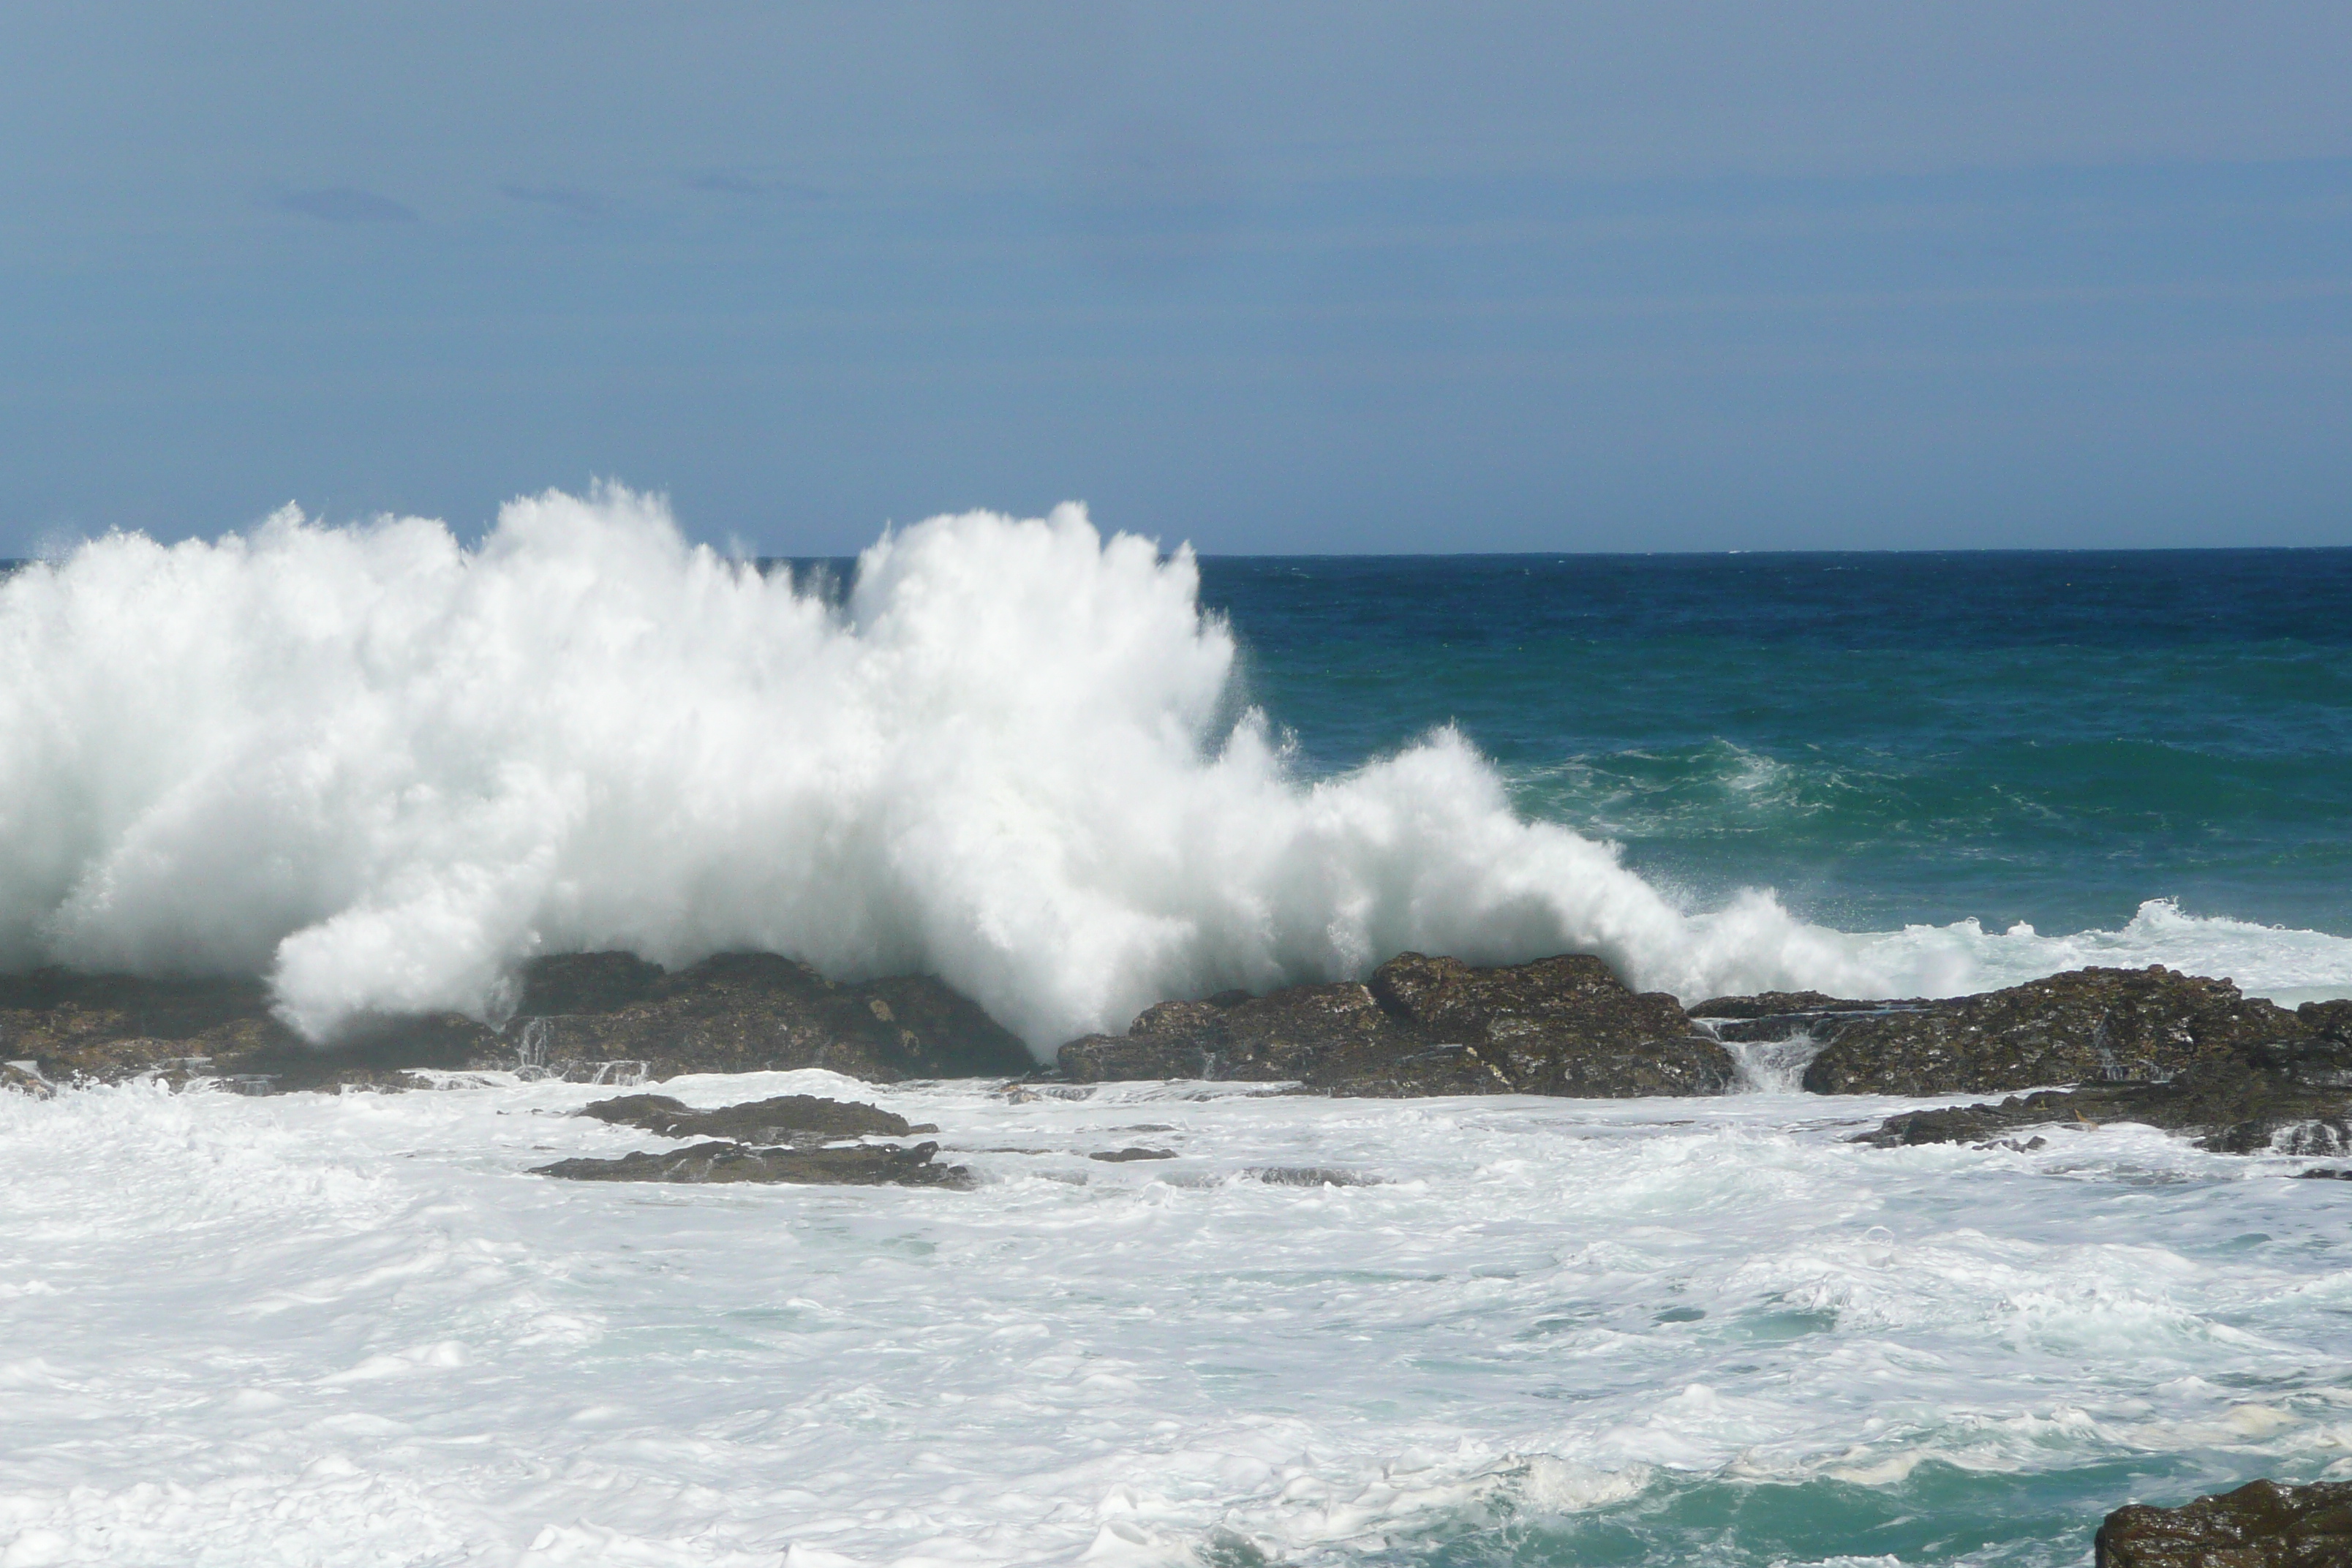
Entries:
{"x":383,"y":769}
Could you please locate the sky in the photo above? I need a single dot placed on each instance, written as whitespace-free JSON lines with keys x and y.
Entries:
{"x":1298,"y":278}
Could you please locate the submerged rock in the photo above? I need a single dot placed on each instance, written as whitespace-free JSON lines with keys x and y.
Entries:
{"x":2293,"y":1098}
{"x":864,"y":1165}
{"x":1307,"y":1176}
{"x":1427,"y":1025}
{"x":2089,"y":1026}
{"x":2263,"y":1524}
{"x":786,"y":1118}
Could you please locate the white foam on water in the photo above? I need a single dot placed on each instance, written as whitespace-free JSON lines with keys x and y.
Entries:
{"x":354,"y":1330}
{"x":383,"y":769}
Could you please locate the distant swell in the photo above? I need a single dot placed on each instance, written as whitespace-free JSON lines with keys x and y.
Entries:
{"x":383,"y":769}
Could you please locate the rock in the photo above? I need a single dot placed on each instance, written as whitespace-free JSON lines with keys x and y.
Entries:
{"x":1770,"y":1024}
{"x":1426,"y":1026}
{"x":751,"y":1012}
{"x":1122,"y":1156}
{"x":1307,"y":1176}
{"x":2263,"y":1524}
{"x":2290,"y":1098}
{"x":111,"y":1028}
{"x":1299,"y":1033}
{"x":25,"y":1078}
{"x":788,"y":1119}
{"x":1790,"y":1009}
{"x":371,"y":1053}
{"x":586,"y":983}
{"x":1563,"y":1025}
{"x":2088,"y":1026}
{"x":608,"y":1018}
{"x":2332,"y":1020}
{"x":863,"y":1165}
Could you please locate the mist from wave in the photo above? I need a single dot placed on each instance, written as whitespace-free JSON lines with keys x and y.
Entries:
{"x":384,"y":768}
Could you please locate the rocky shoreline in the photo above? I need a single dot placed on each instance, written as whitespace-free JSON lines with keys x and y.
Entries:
{"x":2182,"y":1052}
{"x":2090,"y":1048}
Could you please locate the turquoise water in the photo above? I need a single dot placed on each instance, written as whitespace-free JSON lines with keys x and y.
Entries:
{"x":1884,"y":738}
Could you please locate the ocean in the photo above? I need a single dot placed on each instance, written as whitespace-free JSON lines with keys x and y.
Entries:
{"x":2072,"y":740}
{"x":1073,"y":775}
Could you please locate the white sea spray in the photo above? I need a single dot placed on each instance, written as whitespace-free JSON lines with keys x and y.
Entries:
{"x":384,"y":768}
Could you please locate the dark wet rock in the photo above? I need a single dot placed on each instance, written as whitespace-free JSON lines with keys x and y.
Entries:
{"x":56,"y":1009}
{"x":750,"y":1012}
{"x":111,"y":1028}
{"x":1306,"y":1176}
{"x":608,"y":1018}
{"x":372,"y":1053}
{"x":1776,"y":1015}
{"x":2263,"y":1524}
{"x":2292,"y":1098}
{"x":25,"y":1078}
{"x":786,"y":1118}
{"x":1427,"y":1025}
{"x":2331,"y":1020}
{"x":857,"y":1165}
{"x":586,"y":983}
{"x":1123,"y":1156}
{"x":2090,"y":1025}
{"x":2326,"y":1174}
{"x":1817,"y":1024}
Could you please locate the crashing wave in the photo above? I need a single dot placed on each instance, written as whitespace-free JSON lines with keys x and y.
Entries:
{"x":384,"y":768}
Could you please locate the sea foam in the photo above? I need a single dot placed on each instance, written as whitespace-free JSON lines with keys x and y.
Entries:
{"x":384,"y":768}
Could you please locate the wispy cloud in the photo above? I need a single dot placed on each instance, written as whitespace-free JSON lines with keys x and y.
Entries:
{"x":569,"y":199}
{"x":732,"y":184}
{"x":344,"y":204}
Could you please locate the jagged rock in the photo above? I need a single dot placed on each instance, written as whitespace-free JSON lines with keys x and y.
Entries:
{"x":2263,"y":1524}
{"x":787,"y":1119}
{"x":1427,"y":1025}
{"x":1562,"y":1026}
{"x":751,"y":1012}
{"x":2087,"y":1025}
{"x":25,"y":1078}
{"x":2294,"y":1099}
{"x":2331,"y":1020}
{"x":863,"y":1165}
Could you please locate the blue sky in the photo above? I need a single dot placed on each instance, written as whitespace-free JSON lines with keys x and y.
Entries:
{"x":1289,"y":278}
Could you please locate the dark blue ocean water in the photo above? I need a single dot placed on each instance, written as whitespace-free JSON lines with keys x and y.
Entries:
{"x":1883,"y":738}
